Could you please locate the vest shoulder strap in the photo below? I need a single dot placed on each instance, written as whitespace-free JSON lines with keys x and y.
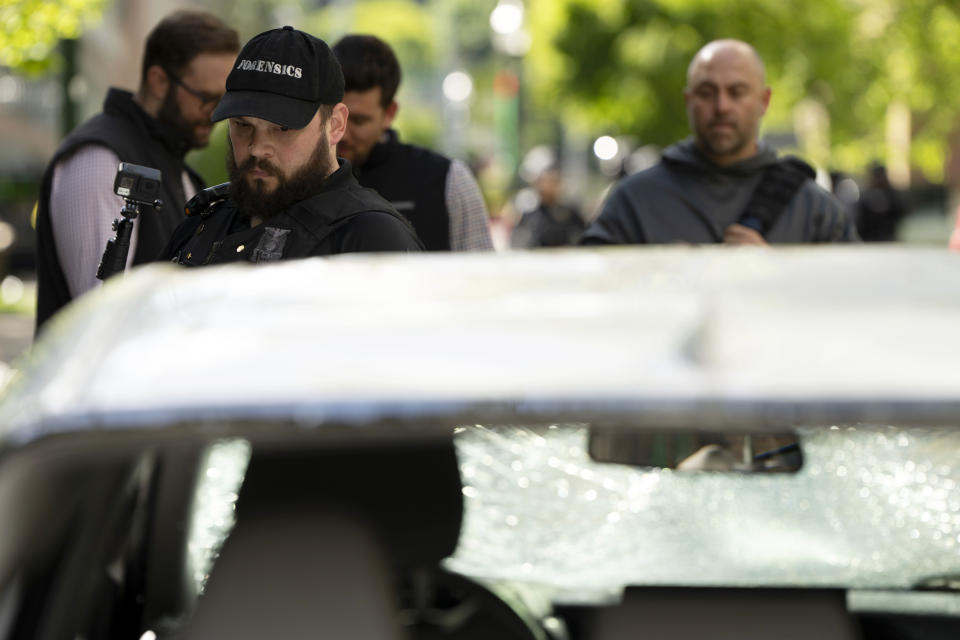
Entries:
{"x":780,"y":182}
{"x":323,"y":229}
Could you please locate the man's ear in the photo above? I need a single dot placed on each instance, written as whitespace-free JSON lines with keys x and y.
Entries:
{"x":766,"y":98}
{"x":390,"y":113}
{"x":153,"y":90}
{"x":156,"y":84}
{"x":337,"y":123}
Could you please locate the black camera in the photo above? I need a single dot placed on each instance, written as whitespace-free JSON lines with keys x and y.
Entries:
{"x":137,"y":184}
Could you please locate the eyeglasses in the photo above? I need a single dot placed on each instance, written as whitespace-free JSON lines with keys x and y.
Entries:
{"x":206,"y":99}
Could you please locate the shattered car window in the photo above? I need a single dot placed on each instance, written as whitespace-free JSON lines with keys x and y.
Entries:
{"x":872,"y":507}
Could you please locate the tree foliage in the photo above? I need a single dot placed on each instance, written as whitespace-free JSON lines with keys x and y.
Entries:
{"x":620,"y":65}
{"x":429,"y":38}
{"x":31,"y":29}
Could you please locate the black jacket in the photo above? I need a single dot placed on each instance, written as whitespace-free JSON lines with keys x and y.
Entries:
{"x":342,"y":218}
{"x":687,"y":198}
{"x":414,"y":180}
{"x":135,"y":137}
{"x":556,"y":225}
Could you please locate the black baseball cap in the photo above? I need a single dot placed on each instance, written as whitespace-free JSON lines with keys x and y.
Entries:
{"x":282,"y":75}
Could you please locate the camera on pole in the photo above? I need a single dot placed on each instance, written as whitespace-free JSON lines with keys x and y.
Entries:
{"x":137,"y":186}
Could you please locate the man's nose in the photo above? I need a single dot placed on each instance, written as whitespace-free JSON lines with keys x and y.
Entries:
{"x":723,"y":102}
{"x":260,"y":146}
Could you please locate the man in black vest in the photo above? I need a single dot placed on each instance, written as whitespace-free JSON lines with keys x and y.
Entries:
{"x":289,"y":196}
{"x":438,"y":195}
{"x":723,"y":185}
{"x":185,"y":65}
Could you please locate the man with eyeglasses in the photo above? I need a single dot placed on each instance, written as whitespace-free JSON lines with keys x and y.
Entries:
{"x":186,"y":60}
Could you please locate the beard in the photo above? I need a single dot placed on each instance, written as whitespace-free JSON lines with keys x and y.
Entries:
{"x":171,"y":114}
{"x":252,"y":199}
{"x":352,"y":153}
{"x":722,"y":143}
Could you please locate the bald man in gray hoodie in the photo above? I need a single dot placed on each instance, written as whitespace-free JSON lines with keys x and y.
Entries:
{"x":723,"y":185}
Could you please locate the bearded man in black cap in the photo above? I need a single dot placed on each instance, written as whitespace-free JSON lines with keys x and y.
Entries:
{"x":289,"y":196}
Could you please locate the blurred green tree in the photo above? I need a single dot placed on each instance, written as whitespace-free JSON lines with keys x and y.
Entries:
{"x":619,"y":66}
{"x":31,"y":30}
{"x":416,"y":35}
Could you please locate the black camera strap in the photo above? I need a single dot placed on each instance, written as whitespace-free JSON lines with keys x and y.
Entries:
{"x":780,"y":182}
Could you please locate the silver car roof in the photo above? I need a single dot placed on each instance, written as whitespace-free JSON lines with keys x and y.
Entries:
{"x":663,"y":335}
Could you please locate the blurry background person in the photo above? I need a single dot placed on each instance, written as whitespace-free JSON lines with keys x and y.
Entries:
{"x":880,"y":209}
{"x":702,"y":187}
{"x":185,"y":65}
{"x":438,"y":195}
{"x":552,"y":223}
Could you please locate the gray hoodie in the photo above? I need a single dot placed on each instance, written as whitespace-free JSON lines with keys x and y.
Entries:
{"x":687,"y":198}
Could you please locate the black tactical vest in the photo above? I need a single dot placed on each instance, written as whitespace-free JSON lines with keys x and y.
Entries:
{"x":125,"y":129}
{"x":330,"y":222}
{"x":414,"y":180}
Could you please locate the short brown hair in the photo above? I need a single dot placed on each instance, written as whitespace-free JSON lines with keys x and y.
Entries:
{"x":368,"y":62}
{"x":182,"y":36}
{"x":326,"y":110}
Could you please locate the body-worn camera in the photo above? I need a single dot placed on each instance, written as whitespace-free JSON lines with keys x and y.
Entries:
{"x":137,"y":183}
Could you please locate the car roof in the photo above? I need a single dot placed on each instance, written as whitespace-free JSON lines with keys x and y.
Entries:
{"x":662,"y":335}
{"x":377,"y":347}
